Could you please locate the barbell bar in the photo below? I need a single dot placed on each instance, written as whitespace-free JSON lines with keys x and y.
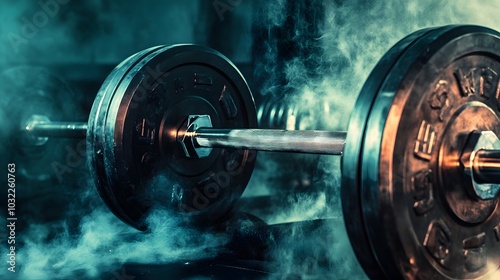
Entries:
{"x":420,"y":158}
{"x":311,"y":141}
{"x":485,"y":165}
{"x":46,"y":128}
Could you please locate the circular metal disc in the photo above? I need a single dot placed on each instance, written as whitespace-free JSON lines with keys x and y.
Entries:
{"x":33,"y":91}
{"x":350,"y":192}
{"x":131,"y":136}
{"x":418,"y":217}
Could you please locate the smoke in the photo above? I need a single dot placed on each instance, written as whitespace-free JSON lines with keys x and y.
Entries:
{"x":315,"y":56}
{"x":311,"y":55}
{"x":102,"y":243}
{"x":64,"y":230}
{"x":69,"y":31}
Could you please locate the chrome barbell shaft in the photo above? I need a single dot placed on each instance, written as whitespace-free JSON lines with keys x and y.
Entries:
{"x":297,"y":141}
{"x":57,"y":129}
{"x":486,"y":166}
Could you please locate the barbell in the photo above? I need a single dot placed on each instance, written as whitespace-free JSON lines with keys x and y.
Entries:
{"x":177,"y":126}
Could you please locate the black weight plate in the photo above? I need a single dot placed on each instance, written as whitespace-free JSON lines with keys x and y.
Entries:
{"x":408,"y":195}
{"x":135,"y":157}
{"x":28,"y":91}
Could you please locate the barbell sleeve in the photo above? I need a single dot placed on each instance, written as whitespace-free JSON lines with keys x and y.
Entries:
{"x":486,"y":166}
{"x":57,"y":129}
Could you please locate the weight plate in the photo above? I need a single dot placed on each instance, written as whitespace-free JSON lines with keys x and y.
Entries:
{"x":135,"y":157}
{"x":33,"y":91}
{"x":419,"y":217}
{"x":350,"y":162}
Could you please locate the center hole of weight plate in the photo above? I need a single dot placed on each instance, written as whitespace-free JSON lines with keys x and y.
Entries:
{"x":175,"y":116}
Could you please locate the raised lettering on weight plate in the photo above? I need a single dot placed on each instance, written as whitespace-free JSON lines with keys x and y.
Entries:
{"x":488,"y":82}
{"x":421,"y":184}
{"x":475,"y":252}
{"x":465,"y":81}
{"x":179,"y":85}
{"x":227,"y":103}
{"x":146,"y":132}
{"x":439,"y":100}
{"x":202,"y":79}
{"x":438,"y":242}
{"x":483,"y":82}
{"x":425,"y":142}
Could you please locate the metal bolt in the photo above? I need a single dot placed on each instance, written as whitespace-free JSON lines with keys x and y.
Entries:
{"x":188,"y":144}
{"x":473,"y":158}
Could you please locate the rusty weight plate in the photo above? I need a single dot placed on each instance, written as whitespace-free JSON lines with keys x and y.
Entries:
{"x":131,"y":136}
{"x":418,"y":217}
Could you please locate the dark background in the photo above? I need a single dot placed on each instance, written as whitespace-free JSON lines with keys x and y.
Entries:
{"x":311,"y":56}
